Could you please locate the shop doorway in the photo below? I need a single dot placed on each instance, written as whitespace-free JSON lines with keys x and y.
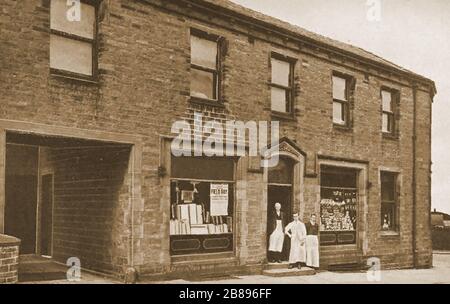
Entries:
{"x":280,"y":190}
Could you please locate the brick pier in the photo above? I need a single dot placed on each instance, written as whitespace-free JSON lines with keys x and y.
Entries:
{"x":9,"y":259}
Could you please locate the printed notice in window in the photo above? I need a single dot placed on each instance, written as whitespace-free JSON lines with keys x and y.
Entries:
{"x":219,"y":199}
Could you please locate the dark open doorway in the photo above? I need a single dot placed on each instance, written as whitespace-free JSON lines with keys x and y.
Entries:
{"x":280,"y":190}
{"x":21,"y":195}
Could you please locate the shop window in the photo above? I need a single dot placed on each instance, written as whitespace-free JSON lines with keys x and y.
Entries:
{"x":73,"y":38}
{"x":202,"y":205}
{"x":388,"y":201}
{"x":338,"y":205}
{"x":388,"y":99}
{"x":281,"y":85}
{"x":204,"y":66}
{"x":340,"y":100}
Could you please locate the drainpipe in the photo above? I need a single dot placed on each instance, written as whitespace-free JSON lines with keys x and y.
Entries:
{"x":133,"y":151}
{"x":414,"y":177}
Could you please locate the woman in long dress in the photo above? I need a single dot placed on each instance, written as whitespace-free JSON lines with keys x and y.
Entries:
{"x":296,"y":230}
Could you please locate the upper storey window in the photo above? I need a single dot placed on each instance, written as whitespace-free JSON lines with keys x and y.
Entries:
{"x":281,"y":85}
{"x":73,"y":37}
{"x":204,"y":68}
{"x":340,"y":100}
{"x":388,"y":99}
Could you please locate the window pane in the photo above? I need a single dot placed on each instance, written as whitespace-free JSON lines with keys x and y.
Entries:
{"x":279,"y":102}
{"x":70,"y":55}
{"x":338,"y":177}
{"x":388,"y":216}
{"x":339,"y":88}
{"x":59,"y":20}
{"x":202,"y":84}
{"x":203,"y":52}
{"x":386,"y":123}
{"x":387,"y":101}
{"x":387,"y":186}
{"x":281,"y":71}
{"x":338,"y":113}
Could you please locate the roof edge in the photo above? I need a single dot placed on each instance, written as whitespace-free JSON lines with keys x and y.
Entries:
{"x":220,"y":9}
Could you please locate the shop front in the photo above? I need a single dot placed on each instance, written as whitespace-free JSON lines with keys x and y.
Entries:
{"x":220,"y":208}
{"x":343,"y":212}
{"x":338,"y":206}
{"x":202,"y":199}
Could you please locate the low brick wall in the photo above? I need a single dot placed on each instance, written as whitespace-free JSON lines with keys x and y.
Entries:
{"x":9,"y":259}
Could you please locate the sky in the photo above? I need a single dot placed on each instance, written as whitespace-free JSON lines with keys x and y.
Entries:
{"x":414,"y":34}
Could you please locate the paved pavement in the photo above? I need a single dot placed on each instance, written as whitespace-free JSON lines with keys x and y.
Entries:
{"x":439,"y":274}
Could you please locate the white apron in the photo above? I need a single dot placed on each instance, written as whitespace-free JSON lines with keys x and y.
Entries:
{"x":312,"y":251}
{"x":277,"y":238}
{"x":298,"y":248}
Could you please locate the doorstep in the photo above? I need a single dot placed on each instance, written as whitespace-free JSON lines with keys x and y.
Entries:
{"x":282,"y":270}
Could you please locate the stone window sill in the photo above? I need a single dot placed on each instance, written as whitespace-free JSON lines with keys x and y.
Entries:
{"x":189,"y":258}
{"x":206,"y":102}
{"x":389,"y":234}
{"x":72,"y":78}
{"x":390,"y":136}
{"x":282,"y":116}
{"x":342,"y":128}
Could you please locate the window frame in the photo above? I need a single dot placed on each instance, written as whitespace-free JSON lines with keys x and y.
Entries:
{"x":391,"y":115}
{"x":392,"y":204}
{"x":217,"y":73}
{"x":93,"y":42}
{"x":344,"y":103}
{"x":289,"y":91}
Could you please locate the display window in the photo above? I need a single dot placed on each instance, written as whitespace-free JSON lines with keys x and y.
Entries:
{"x":338,"y":206}
{"x":201,"y":206}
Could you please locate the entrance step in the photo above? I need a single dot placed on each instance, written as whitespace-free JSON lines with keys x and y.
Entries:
{"x":286,"y":272}
{"x":283,"y":265}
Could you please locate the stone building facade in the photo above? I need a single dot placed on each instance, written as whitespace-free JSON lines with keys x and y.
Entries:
{"x":89,"y":148}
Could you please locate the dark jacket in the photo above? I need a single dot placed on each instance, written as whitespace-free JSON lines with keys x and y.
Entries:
{"x":312,"y":229}
{"x":273,"y":222}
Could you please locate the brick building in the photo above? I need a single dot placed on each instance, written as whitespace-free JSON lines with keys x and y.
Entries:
{"x":85,"y":132}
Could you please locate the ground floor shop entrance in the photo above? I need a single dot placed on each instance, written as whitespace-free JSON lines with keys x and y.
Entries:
{"x":280,"y":191}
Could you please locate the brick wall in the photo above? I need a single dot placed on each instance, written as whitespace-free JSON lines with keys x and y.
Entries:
{"x":91,"y":192}
{"x":9,"y":259}
{"x":144,"y":86}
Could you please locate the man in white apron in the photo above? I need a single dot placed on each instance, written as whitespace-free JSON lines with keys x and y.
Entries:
{"x":276,"y":239}
{"x":312,"y":243}
{"x":296,"y":230}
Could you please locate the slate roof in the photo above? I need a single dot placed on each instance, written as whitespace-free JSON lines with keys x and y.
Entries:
{"x":302,"y":33}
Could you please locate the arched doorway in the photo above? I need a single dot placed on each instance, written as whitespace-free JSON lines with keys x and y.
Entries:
{"x":280,"y":190}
